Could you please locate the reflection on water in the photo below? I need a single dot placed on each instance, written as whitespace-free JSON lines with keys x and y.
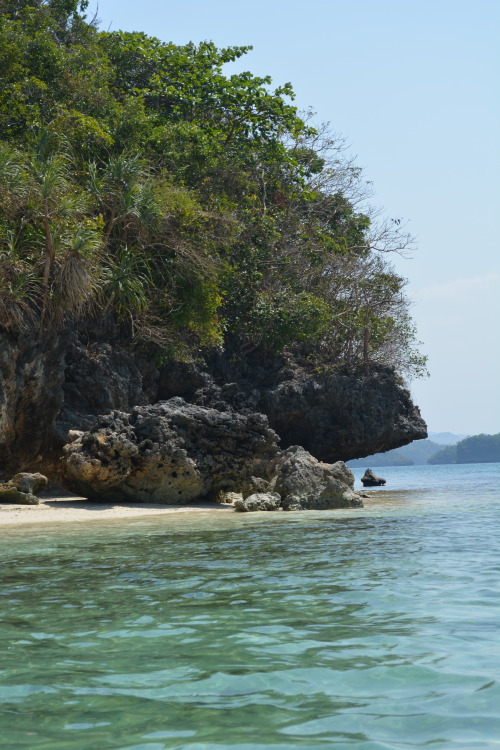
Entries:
{"x":372,"y":628}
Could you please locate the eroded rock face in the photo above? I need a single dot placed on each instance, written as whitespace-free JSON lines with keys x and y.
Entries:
{"x":171,"y":452}
{"x":97,"y":380}
{"x":333,"y":416}
{"x":343,"y":417}
{"x":53,"y":383}
{"x":307,"y":484}
{"x":31,"y":378}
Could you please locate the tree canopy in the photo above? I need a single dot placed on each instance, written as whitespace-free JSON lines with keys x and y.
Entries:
{"x":477,"y":449}
{"x":198,"y":209}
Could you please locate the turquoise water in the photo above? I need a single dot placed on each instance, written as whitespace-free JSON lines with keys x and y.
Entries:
{"x":370,"y":628}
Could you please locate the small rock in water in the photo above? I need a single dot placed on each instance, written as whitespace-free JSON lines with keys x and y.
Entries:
{"x":369,"y":479}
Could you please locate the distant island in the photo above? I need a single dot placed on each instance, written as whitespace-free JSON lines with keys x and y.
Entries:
{"x":468,"y":450}
{"x":477,"y":449}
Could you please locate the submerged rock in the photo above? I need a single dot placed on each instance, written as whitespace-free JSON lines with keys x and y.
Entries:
{"x":171,"y":452}
{"x":305,"y":483}
{"x":369,"y":479}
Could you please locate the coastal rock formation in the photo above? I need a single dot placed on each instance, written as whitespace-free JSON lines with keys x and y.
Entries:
{"x":334,"y":416}
{"x":51,"y":384}
{"x":369,"y":479}
{"x":172,"y":452}
{"x":339,"y":416}
{"x":23,"y":488}
{"x":307,"y":484}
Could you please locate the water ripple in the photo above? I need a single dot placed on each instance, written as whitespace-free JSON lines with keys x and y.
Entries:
{"x":372,"y":629}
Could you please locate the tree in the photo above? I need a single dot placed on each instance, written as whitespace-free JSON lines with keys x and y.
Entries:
{"x":196,"y":209}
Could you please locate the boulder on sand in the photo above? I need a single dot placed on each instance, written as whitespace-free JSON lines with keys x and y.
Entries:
{"x":171,"y":452}
{"x":369,"y":479}
{"x":259,"y":501}
{"x":26,"y":482}
{"x":23,"y":488}
{"x":305,"y":483}
{"x":174,"y":452}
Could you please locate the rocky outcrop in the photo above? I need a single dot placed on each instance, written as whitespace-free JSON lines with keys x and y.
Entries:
{"x":172,"y":452}
{"x":304,"y":483}
{"x":332,"y":415}
{"x":300,"y":482}
{"x":51,"y":383}
{"x":56,"y":382}
{"x":343,"y":416}
{"x":369,"y":479}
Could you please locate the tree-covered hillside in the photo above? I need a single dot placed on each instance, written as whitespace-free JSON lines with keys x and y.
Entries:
{"x":477,"y":449}
{"x":197,"y":209}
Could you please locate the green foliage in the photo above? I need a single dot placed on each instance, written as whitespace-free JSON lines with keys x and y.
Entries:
{"x":477,"y":449}
{"x":195,"y":207}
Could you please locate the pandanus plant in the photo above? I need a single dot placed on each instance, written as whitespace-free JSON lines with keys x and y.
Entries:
{"x":49,"y":244}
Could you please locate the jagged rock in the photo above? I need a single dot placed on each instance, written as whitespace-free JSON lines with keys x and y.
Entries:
{"x":343,"y":416}
{"x":332,"y":415}
{"x":307,"y":484}
{"x":97,"y":380}
{"x":369,"y":479}
{"x":259,"y":501}
{"x":51,"y":383}
{"x":32,"y":483}
{"x":171,"y":452}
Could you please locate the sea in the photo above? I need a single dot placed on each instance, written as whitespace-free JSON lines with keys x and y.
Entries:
{"x":374,"y":628}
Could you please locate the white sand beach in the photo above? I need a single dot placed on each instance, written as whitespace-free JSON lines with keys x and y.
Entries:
{"x":67,"y":508}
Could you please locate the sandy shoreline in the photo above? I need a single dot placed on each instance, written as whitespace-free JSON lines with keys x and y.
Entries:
{"x":67,"y":509}
{"x":59,"y":508}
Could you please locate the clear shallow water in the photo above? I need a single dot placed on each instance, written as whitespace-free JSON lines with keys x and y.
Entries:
{"x":373,"y":629}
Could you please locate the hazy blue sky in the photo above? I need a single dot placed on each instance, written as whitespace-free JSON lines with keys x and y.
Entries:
{"x":413,"y":86}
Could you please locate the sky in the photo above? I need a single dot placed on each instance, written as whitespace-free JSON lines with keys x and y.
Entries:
{"x":413,"y":87}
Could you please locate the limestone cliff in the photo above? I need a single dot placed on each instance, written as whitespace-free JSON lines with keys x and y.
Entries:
{"x":50,"y":384}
